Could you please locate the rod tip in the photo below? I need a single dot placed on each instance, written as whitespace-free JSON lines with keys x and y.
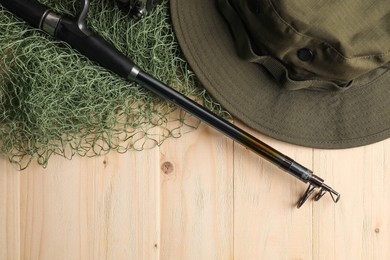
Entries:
{"x":323,"y":190}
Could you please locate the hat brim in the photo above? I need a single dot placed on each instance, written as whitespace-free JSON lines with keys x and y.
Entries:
{"x":355,"y":117}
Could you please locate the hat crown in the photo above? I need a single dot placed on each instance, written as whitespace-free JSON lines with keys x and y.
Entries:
{"x":324,"y":39}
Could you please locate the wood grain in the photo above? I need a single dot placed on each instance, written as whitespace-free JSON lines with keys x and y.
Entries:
{"x":9,"y":211}
{"x":197,"y":197}
{"x":267,"y":224}
{"x":101,"y":208}
{"x":357,"y":227}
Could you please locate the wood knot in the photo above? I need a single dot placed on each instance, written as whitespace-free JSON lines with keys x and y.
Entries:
{"x":167,"y":167}
{"x":377,"y":230}
{"x":105,"y":163}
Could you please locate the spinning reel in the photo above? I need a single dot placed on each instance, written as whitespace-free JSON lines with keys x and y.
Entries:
{"x":137,"y":8}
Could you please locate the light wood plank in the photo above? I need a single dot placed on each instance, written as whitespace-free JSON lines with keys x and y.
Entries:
{"x":197,"y":196}
{"x":267,"y":224}
{"x":358,"y":227}
{"x":127,"y":204}
{"x":99,"y":208}
{"x":9,"y":211}
{"x":53,"y":212}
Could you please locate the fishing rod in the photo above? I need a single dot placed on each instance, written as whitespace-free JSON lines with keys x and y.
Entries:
{"x":74,"y":31}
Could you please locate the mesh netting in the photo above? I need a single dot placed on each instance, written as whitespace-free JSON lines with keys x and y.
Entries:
{"x":55,"y":101}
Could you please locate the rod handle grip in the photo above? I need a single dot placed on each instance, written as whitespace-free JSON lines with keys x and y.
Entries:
{"x":30,"y":11}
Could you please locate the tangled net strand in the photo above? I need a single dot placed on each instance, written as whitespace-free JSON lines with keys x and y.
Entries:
{"x":55,"y":101}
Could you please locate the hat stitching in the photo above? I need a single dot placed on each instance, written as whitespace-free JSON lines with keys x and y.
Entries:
{"x":312,"y":140}
{"x":384,"y":54}
{"x":300,"y":138}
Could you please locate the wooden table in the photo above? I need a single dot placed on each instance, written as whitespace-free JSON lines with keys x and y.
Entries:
{"x":197,"y":197}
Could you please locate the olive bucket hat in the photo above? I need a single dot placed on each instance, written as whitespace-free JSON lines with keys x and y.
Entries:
{"x":310,"y":72}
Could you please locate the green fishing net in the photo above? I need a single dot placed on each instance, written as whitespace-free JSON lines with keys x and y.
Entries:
{"x":55,"y":101}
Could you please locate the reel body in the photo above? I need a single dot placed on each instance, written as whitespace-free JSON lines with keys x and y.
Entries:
{"x":137,"y":8}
